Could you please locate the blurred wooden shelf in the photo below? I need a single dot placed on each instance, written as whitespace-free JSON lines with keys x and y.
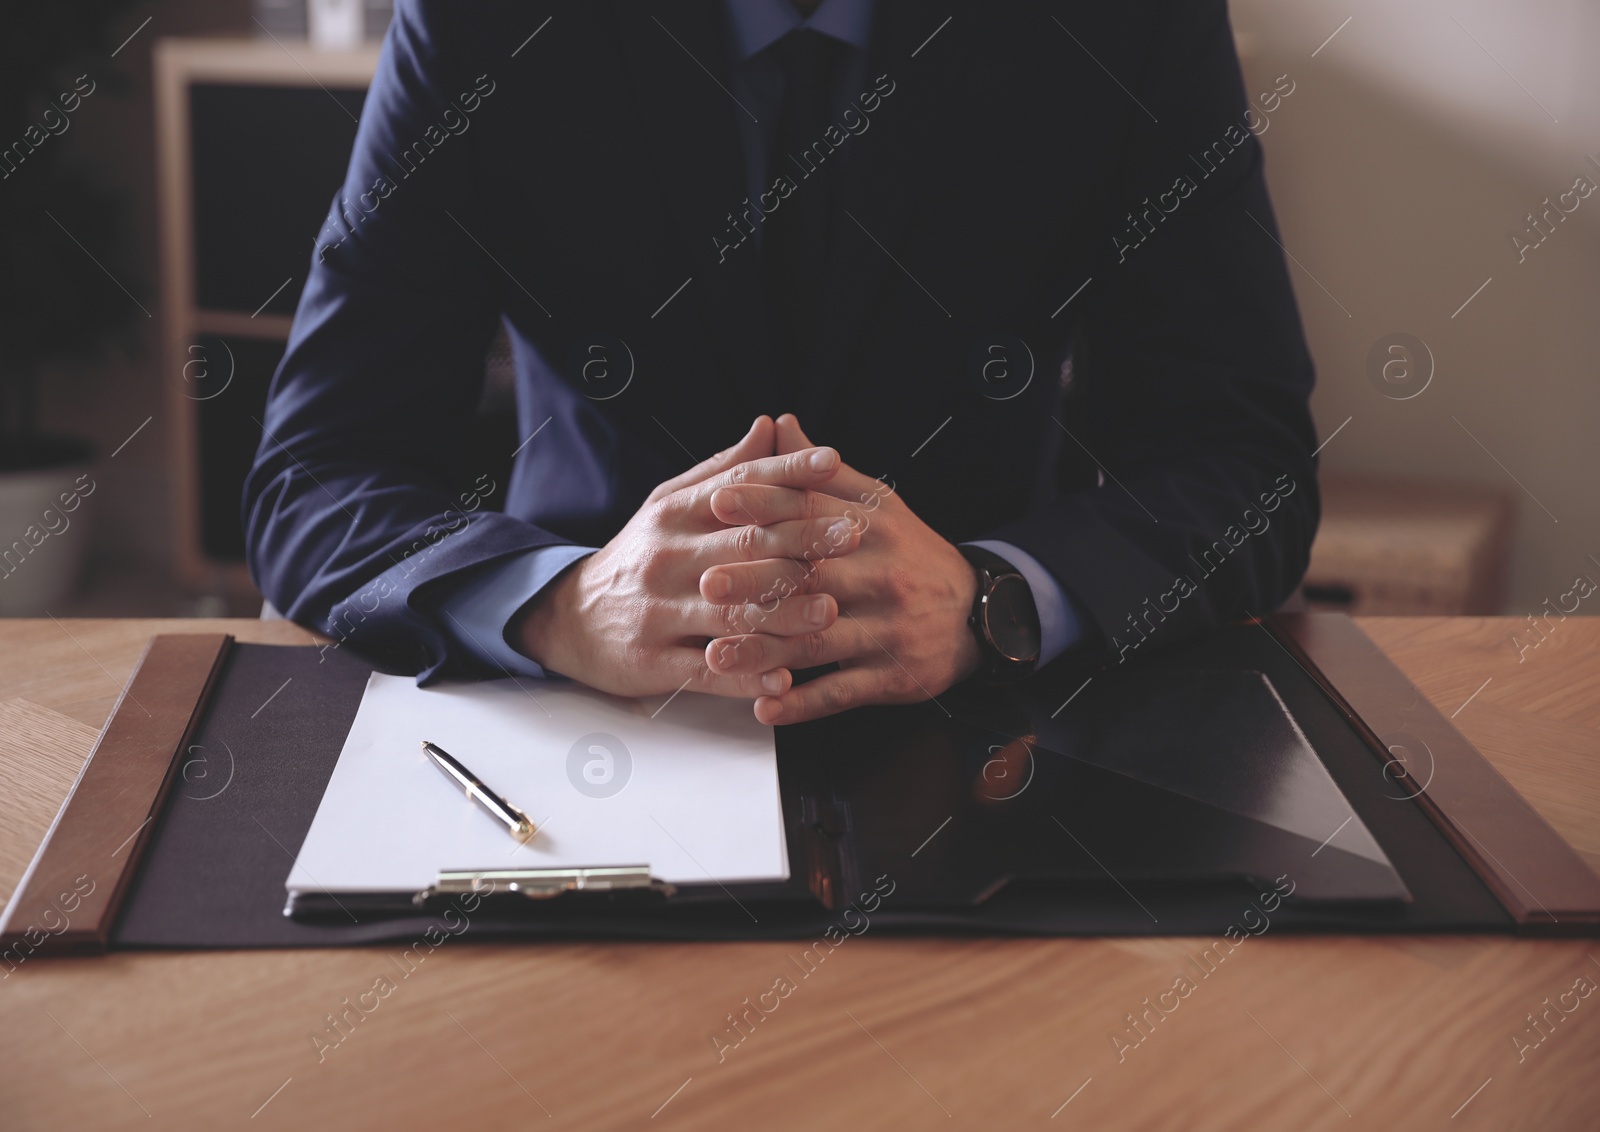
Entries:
{"x":263,"y":68}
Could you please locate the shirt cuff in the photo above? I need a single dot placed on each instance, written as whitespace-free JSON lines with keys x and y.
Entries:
{"x":1060,"y":624}
{"x":478,"y":609}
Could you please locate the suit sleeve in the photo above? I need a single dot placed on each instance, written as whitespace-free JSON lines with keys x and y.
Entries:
{"x":1060,"y":623}
{"x":1191,"y":375}
{"x":350,"y":519}
{"x":476,"y":606}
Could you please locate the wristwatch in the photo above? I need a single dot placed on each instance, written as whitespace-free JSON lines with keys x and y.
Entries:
{"x":1004,"y":619}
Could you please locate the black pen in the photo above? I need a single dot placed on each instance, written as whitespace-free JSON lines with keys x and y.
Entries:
{"x":516,"y":821}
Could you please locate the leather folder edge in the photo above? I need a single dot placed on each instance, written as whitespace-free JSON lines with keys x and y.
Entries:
{"x":1535,"y":875}
{"x":68,"y":899}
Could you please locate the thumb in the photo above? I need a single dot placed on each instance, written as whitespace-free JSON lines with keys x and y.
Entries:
{"x":755,"y":444}
{"x":790,"y":436}
{"x":847,"y":483}
{"x":758,"y":442}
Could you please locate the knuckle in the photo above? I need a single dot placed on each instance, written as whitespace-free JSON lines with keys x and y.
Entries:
{"x":760,"y":618}
{"x":648,"y":566}
{"x":746,"y":542}
{"x":813,"y":647}
{"x":899,"y":584}
{"x":732,"y":619}
{"x":658,"y":618}
{"x":670,"y":509}
{"x":785,"y":585}
{"x":652,"y":565}
{"x":811,"y":577}
{"x":638,"y":656}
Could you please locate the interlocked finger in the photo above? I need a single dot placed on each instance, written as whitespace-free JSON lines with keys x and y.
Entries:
{"x":772,"y":580}
{"x":687,"y":665}
{"x":828,"y":694}
{"x":762,"y":652}
{"x":784,"y":618}
{"x":804,"y":540}
{"x":761,"y":504}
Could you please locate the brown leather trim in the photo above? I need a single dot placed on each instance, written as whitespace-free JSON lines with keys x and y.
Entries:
{"x":1531,"y":870}
{"x":68,"y":899}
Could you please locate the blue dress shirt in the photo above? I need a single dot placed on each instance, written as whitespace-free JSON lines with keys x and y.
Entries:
{"x":479,"y":604}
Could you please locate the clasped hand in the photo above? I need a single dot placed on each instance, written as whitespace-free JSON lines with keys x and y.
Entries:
{"x":771,"y":556}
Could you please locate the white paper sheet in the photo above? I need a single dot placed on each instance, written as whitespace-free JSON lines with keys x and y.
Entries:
{"x":699,"y":803}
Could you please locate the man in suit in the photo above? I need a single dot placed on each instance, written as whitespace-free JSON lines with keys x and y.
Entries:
{"x":1014,"y":264}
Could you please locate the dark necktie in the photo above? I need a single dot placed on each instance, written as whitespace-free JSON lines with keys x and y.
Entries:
{"x":796,"y":236}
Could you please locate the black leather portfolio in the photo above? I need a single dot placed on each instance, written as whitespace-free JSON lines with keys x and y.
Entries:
{"x":1276,"y":775}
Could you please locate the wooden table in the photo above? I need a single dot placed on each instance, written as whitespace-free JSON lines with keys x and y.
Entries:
{"x":1299,"y":1033}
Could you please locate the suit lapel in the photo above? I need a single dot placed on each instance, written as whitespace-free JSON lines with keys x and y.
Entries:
{"x":696,"y":155}
{"x":885,"y":177}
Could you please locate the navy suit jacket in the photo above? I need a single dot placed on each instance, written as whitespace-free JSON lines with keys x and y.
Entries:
{"x":1070,"y":281}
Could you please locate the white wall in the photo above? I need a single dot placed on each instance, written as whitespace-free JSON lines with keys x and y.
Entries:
{"x":1399,"y":167}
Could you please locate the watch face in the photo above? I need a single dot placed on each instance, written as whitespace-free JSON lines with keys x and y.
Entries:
{"x":1009,"y":617}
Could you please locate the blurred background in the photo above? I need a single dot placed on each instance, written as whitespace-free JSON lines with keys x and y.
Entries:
{"x":169,"y":164}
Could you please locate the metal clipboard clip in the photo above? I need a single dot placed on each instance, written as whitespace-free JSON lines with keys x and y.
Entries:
{"x":544,"y":884}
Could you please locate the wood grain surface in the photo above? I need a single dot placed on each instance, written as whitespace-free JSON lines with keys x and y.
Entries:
{"x":1289,"y":1032}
